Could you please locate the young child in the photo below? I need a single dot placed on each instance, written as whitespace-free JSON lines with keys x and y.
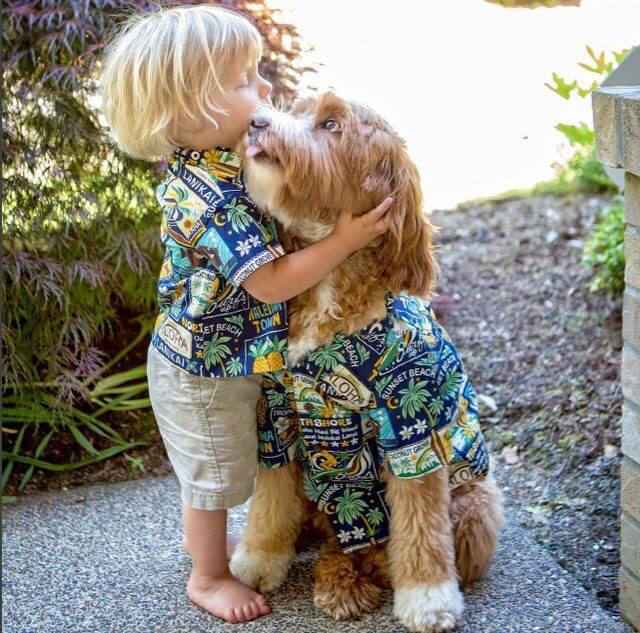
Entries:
{"x":184,"y":82}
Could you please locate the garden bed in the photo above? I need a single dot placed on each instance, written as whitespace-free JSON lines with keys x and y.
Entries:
{"x":546,"y":351}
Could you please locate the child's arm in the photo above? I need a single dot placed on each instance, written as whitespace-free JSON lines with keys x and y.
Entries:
{"x":288,"y":276}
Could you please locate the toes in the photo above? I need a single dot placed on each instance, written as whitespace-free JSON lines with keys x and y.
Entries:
{"x":239,"y":613}
{"x":230,"y":616}
{"x":248,"y":612}
{"x":263,"y":605}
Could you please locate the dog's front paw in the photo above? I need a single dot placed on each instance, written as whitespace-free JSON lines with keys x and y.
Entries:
{"x":429,"y":608}
{"x":264,"y":571}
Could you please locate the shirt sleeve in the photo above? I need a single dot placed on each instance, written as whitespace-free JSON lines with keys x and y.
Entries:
{"x":236,"y":241}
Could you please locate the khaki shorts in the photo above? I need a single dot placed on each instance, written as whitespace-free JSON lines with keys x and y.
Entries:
{"x":208,"y":426}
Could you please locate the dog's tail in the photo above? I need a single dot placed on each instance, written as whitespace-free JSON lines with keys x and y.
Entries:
{"x":476,"y":515}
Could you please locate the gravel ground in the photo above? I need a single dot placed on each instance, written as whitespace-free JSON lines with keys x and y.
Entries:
{"x":546,"y":352}
{"x":107,"y":559}
{"x":540,"y":348}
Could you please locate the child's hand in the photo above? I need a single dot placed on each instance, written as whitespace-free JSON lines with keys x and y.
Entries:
{"x":355,"y":232}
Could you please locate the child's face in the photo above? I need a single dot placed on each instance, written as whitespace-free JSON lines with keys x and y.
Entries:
{"x":245,"y":90}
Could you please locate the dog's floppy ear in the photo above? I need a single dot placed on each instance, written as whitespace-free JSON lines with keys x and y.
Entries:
{"x":406,"y":256}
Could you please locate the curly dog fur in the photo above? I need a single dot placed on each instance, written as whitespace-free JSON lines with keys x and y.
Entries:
{"x":304,"y":173}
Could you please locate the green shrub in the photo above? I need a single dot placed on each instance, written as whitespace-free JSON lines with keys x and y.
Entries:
{"x":582,"y":173}
{"x":81,"y":229}
{"x":604,"y":249}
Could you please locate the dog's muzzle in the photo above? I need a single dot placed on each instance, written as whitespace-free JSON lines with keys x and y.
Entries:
{"x":258,"y":126}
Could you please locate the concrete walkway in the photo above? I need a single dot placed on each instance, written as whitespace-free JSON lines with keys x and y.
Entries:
{"x":108,"y":558}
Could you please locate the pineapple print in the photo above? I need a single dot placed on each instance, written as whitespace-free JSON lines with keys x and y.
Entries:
{"x":258,"y":351}
{"x":267,"y":355}
{"x":275,"y":356}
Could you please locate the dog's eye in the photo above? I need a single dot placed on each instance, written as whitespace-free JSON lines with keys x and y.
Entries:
{"x":331,"y":125}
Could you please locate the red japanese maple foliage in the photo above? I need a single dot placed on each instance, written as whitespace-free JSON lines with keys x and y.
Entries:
{"x":80,"y":219}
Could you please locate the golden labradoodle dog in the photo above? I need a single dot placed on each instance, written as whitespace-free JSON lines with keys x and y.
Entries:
{"x":378,"y":399}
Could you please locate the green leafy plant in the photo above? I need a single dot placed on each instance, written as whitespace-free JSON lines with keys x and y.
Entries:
{"x":604,"y":249}
{"x":81,"y":230}
{"x":33,"y":412}
{"x":582,"y":173}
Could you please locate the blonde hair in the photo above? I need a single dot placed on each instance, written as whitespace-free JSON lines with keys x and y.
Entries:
{"x":167,"y":64}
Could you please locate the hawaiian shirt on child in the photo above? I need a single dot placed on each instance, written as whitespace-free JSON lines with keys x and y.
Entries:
{"x":393,"y":394}
{"x":214,"y":238}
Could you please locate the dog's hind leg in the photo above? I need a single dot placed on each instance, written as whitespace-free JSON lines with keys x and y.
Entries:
{"x":427,"y":596}
{"x":264,"y":555}
{"x":476,"y":515}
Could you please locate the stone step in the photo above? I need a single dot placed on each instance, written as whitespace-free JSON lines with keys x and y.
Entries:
{"x":109,"y":558}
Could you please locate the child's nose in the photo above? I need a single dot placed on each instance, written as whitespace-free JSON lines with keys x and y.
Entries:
{"x":257,"y":122}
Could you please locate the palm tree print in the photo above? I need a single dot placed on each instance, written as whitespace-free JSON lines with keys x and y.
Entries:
{"x":451,"y":385}
{"x":414,"y":396}
{"x":178,"y":197}
{"x":215,"y":351}
{"x":234,"y":366}
{"x":236,"y":319}
{"x":349,"y":506}
{"x":435,"y":406}
{"x":238,"y":216}
{"x":329,"y":356}
{"x":275,"y":398}
{"x":375,"y":517}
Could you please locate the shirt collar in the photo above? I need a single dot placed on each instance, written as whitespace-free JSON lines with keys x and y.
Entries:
{"x":222,"y":162}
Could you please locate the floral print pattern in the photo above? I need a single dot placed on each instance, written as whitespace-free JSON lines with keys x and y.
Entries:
{"x":214,"y":238}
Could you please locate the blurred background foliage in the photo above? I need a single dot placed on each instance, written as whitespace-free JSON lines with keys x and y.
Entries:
{"x":534,"y":4}
{"x":583,"y":173}
{"x":81,"y":232}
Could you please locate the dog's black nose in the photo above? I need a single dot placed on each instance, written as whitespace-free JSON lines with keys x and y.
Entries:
{"x":257,"y":122}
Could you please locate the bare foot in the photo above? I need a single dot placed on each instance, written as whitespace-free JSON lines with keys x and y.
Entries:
{"x":232,"y":543}
{"x":227,"y":598}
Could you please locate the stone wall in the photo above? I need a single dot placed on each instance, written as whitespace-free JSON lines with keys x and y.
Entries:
{"x":616,"y":113}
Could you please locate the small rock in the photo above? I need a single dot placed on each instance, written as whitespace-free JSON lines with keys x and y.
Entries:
{"x":487,"y":403}
{"x":552,"y":214}
{"x":610,"y":451}
{"x":552,"y":237}
{"x":510,"y":454}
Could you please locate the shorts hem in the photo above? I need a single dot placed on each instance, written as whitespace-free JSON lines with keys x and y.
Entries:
{"x":214,"y":501}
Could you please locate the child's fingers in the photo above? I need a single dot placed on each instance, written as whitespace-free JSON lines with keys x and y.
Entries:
{"x":376,"y":213}
{"x":384,"y":223}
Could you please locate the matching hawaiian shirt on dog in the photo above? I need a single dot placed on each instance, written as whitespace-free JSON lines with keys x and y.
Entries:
{"x":214,"y":238}
{"x":394,"y":394}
